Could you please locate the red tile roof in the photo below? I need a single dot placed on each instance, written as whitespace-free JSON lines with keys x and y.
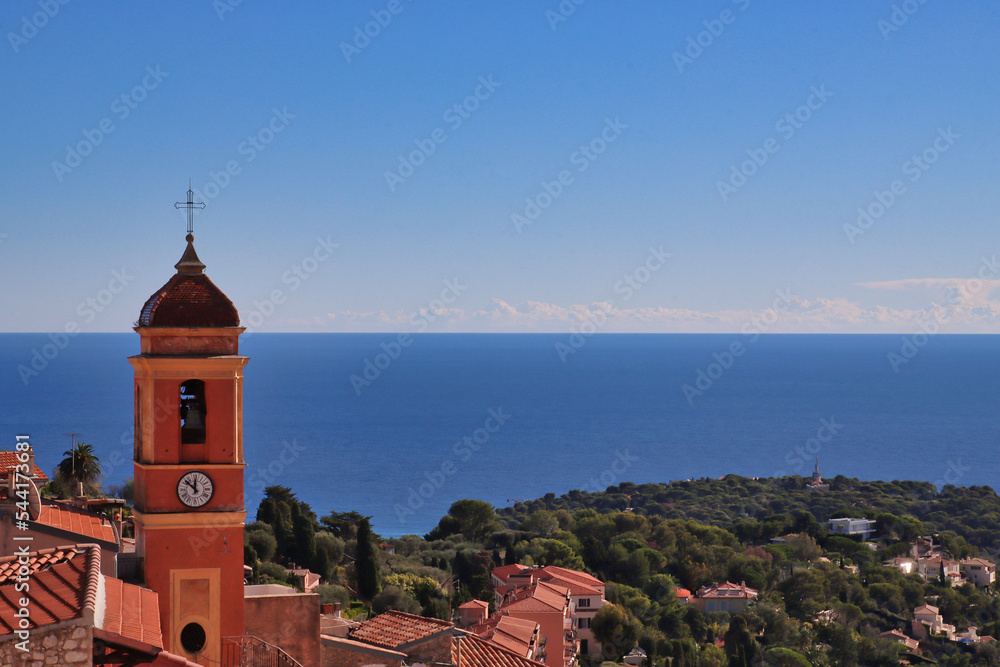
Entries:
{"x":475,"y":604}
{"x":515,"y":634}
{"x":65,"y":583}
{"x":131,"y":611}
{"x":539,"y":597}
{"x":504,"y":572}
{"x":473,"y":651}
{"x":9,"y":459}
{"x":189,"y":299}
{"x":727,"y":590}
{"x":395,"y":628}
{"x":62,"y":585}
{"x":75,"y":520}
{"x":578,"y":583}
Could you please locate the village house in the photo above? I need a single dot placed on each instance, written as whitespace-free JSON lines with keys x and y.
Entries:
{"x":727,"y":596}
{"x":979,"y":571}
{"x":910,"y":643}
{"x":850,"y":526}
{"x":396,"y":639}
{"x":586,"y":594}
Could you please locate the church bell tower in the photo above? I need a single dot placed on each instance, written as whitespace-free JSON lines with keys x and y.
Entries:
{"x":189,"y":512}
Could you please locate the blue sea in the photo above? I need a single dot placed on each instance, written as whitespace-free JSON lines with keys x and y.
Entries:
{"x":505,"y":417}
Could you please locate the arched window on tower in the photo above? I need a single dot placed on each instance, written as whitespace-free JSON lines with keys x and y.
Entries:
{"x":193,"y":412}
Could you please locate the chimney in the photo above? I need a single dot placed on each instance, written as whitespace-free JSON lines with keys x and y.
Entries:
{"x":118,"y":525}
{"x":326,"y":609}
{"x":336,"y":610}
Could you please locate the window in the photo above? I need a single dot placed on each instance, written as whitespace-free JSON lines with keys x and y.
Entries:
{"x":583,"y":623}
{"x":193,"y":638}
{"x":583,"y":603}
{"x":584,"y":647}
{"x":193,"y":412}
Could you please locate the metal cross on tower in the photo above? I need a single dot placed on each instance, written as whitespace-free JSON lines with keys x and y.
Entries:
{"x":190,"y":205}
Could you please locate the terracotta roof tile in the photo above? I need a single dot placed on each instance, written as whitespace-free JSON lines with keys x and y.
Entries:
{"x":65,"y":583}
{"x":539,"y":597}
{"x":9,"y":459}
{"x":132,"y":612}
{"x":189,"y":300}
{"x":727,"y":590}
{"x":58,"y":581}
{"x":75,"y":520}
{"x":395,"y":628}
{"x":477,"y":652}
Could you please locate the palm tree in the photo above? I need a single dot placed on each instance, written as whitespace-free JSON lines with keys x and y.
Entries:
{"x":80,"y":464}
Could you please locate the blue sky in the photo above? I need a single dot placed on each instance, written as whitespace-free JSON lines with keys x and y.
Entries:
{"x":642,"y":109}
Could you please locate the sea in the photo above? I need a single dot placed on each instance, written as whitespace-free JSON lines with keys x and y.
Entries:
{"x":400,"y":427}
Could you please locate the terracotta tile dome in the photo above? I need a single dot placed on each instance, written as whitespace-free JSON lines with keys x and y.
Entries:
{"x":189,"y":299}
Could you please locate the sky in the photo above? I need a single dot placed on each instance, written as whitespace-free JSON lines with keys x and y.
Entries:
{"x":404,"y":165}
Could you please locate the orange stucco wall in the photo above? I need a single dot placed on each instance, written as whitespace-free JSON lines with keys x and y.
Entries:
{"x":290,"y":622}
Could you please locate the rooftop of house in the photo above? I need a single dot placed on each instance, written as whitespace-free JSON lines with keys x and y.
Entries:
{"x":978,"y":562}
{"x":395,"y":629}
{"x":67,"y":584}
{"x":927,"y":608}
{"x":9,"y":459}
{"x":539,"y":597}
{"x":577,"y":583}
{"x":474,"y":604}
{"x":727,"y":590}
{"x":64,"y":516}
{"x":515,"y":634}
{"x":473,"y":651}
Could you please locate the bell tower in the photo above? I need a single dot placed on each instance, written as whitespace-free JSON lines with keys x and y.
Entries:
{"x":189,"y":512}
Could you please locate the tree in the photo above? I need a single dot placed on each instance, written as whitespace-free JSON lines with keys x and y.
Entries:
{"x":617,"y":632}
{"x":369,"y":570}
{"x":475,"y":519}
{"x":81,"y":464}
{"x":741,"y":647}
{"x":394,"y":598}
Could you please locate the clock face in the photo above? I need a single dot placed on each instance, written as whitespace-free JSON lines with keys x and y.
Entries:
{"x":195,"y":488}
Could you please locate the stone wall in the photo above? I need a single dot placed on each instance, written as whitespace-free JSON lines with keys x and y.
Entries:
{"x":59,"y":646}
{"x":437,"y":649}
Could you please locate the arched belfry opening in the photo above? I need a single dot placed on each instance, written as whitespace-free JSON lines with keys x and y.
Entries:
{"x":193,"y":412}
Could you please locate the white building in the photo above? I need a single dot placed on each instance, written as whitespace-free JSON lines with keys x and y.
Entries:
{"x":848,"y":526}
